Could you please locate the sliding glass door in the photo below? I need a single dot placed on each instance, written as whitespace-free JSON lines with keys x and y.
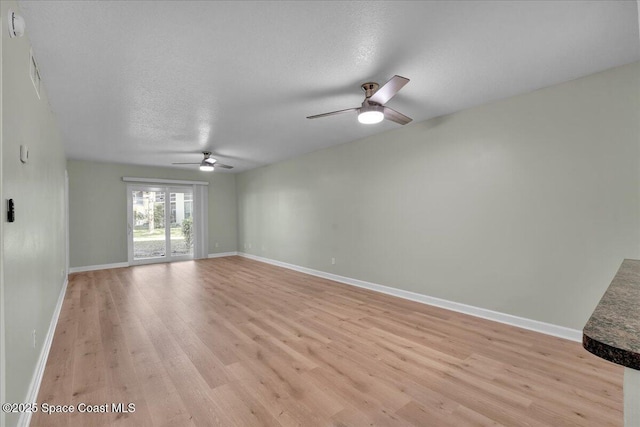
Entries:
{"x":160,"y":224}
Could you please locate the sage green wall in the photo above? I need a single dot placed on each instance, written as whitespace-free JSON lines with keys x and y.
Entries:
{"x":98,"y":209}
{"x":34,"y":245}
{"x":525,"y":206}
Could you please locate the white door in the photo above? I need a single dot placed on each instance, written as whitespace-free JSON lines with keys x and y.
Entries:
{"x":160,"y":224}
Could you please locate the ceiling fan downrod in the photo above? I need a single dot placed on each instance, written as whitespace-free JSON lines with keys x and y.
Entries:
{"x":369,"y":88}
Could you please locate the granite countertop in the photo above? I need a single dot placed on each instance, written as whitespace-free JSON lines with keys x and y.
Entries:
{"x":613,"y":331}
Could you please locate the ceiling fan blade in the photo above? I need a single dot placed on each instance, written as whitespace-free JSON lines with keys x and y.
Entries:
{"x":388,"y":91}
{"x":394,"y":116}
{"x":180,"y":163}
{"x":220,"y":165}
{"x":348,"y":110}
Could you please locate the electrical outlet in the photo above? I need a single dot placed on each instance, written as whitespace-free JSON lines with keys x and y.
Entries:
{"x":249,"y":245}
{"x":217,"y":244}
{"x":333,"y":261}
{"x":34,"y":338}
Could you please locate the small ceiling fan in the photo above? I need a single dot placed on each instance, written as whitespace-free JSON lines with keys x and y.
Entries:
{"x":373,"y":109}
{"x":208,"y":164}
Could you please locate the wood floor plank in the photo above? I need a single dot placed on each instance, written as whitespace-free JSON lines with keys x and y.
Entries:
{"x":236,"y":342}
{"x":121,"y":381}
{"x":416,"y":414}
{"x":283,"y":399}
{"x":162,"y":400}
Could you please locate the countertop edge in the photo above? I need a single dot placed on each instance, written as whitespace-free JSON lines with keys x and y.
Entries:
{"x":613,"y":354}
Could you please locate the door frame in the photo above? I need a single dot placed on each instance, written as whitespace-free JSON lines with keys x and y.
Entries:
{"x":167,"y":216}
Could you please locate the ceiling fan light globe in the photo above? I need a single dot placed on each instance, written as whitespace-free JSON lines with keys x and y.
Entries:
{"x":370,"y":117}
{"x":206,"y":167}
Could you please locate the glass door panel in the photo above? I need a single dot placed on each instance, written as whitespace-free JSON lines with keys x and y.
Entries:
{"x":149,"y":220}
{"x":160,"y":224}
{"x":181,"y":220}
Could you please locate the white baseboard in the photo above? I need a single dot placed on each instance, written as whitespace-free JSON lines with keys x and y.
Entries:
{"x":222,"y":254}
{"x":98,"y":267}
{"x":34,"y":387}
{"x":521,"y":322}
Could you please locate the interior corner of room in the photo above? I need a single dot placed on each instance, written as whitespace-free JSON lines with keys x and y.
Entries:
{"x":518,"y":210}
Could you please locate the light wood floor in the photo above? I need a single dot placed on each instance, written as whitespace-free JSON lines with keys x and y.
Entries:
{"x":235,"y":342}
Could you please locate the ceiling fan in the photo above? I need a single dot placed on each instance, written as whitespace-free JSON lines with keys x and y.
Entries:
{"x":373,"y":109}
{"x":208,"y":164}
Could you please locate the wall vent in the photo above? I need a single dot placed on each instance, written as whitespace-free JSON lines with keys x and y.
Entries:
{"x":34,"y":72}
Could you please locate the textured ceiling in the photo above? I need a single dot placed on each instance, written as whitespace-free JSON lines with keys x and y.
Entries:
{"x":157,"y":82}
